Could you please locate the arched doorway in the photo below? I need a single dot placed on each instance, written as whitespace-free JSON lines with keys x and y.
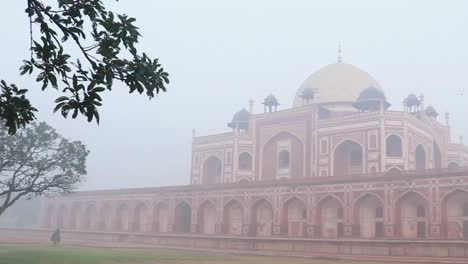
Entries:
{"x":233,"y":218}
{"x":161,"y":218}
{"x":212,"y":170}
{"x":437,"y":156}
{"x":394,"y":146}
{"x":182,"y":218}
{"x":262,"y":218}
{"x":51,"y":217}
{"x":330,"y":217}
{"x":453,"y":165}
{"x":412,"y":216}
{"x":207,"y":218}
{"x":294,"y":216}
{"x":347,"y":158}
{"x":420,"y":158}
{"x":140,"y":218}
{"x":455,"y":215}
{"x":368,"y":215}
{"x":122,"y":216}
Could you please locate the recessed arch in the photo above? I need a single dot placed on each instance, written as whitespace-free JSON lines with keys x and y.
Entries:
{"x":122,"y":218}
{"x":347,"y":158}
{"x":233,"y":217}
{"x":394,"y":146}
{"x":140,"y":217}
{"x":453,"y":165}
{"x":290,"y":164}
{"x":161,"y":217}
{"x":245,"y":161}
{"x":330,"y":214}
{"x":455,"y":214}
{"x":104,"y":219}
{"x":207,"y":218}
{"x":393,"y":171}
{"x":51,"y":217}
{"x":90,"y":218}
{"x":369,"y":216}
{"x":412,"y":211}
{"x":212,"y":170}
{"x":420,"y":157}
{"x":262,"y":218}
{"x":293,"y":217}
{"x":182,"y":217}
{"x":75,"y":217}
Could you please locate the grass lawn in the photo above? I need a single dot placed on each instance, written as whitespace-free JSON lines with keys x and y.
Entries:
{"x":42,"y":254}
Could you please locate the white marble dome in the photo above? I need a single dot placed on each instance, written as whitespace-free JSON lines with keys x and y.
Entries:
{"x":338,"y":83}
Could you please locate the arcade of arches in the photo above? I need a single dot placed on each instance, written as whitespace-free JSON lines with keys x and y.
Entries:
{"x":373,"y":214}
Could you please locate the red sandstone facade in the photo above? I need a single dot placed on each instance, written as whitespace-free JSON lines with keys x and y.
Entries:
{"x":337,"y":164}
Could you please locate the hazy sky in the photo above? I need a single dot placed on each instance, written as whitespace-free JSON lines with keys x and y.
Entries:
{"x":222,"y":53}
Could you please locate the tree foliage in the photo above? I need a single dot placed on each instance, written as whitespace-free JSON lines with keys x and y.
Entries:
{"x":37,"y":160}
{"x":106,"y":44}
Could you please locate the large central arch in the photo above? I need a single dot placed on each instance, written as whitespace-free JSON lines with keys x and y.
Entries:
{"x":347,"y":158}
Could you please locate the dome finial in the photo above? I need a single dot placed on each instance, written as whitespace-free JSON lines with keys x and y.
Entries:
{"x":340,"y":57}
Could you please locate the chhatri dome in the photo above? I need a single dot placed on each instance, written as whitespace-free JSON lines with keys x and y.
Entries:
{"x":336,"y":84}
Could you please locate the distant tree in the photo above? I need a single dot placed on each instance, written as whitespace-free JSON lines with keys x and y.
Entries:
{"x":106,"y":45}
{"x":37,"y":160}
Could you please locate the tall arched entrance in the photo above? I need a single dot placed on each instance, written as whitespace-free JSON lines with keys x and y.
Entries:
{"x":262,"y":218}
{"x":412,"y":216}
{"x":294,"y":216}
{"x":182,"y":218}
{"x":140,"y":218}
{"x":212,"y":170}
{"x":368,"y":215}
{"x":437,"y":156}
{"x":233,"y":218}
{"x":455,"y":215}
{"x":347,"y":158}
{"x":122,"y":216}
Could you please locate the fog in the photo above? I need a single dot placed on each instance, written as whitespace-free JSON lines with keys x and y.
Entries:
{"x":220,"y":54}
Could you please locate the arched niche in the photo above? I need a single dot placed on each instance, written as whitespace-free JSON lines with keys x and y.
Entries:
{"x":412,"y":211}
{"x":161,"y":217}
{"x":62,"y":214}
{"x":283,"y":153}
{"x":293,"y":218}
{"x":233,"y":218}
{"x":207,"y":218}
{"x":394,"y":146}
{"x":437,"y":156}
{"x":182,"y":218}
{"x":369,"y":218}
{"x":122,"y":218}
{"x":212,"y":170}
{"x":262,"y":218}
{"x":75,"y":217}
{"x":455,"y":215}
{"x":104,"y":219}
{"x":90,"y":218}
{"x":347,"y":158}
{"x":140,"y":217}
{"x":330,"y":215}
{"x":420,"y":158}
{"x":245,"y":161}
